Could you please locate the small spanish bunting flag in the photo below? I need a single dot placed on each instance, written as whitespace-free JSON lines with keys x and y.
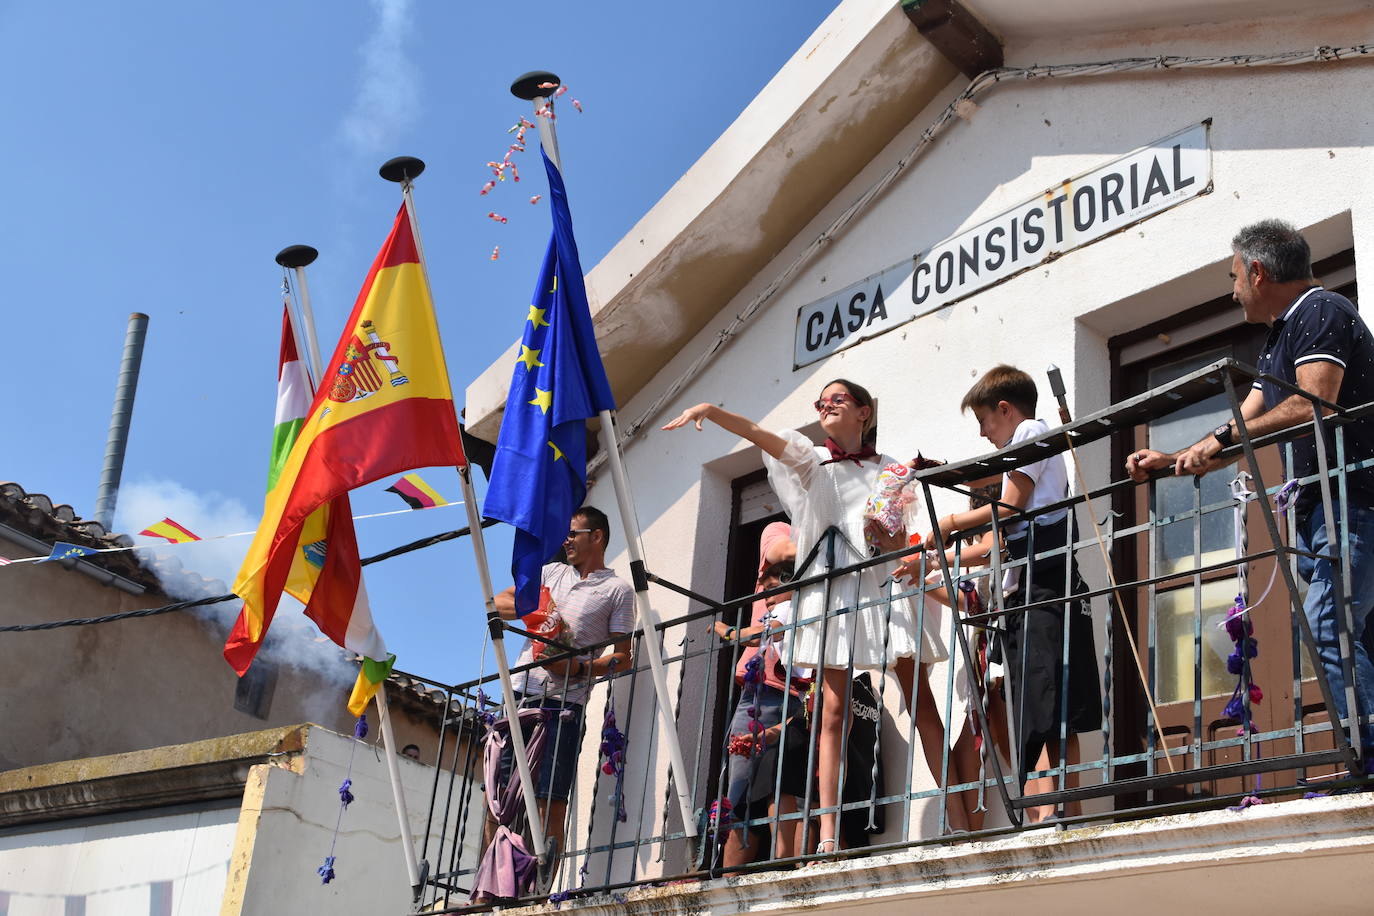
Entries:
{"x":171,"y":531}
{"x":416,"y":493}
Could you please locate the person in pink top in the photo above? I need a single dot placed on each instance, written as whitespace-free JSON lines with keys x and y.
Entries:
{"x":775,"y":547}
{"x":751,"y":778}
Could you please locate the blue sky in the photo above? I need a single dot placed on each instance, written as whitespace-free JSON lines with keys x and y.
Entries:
{"x":160,"y":154}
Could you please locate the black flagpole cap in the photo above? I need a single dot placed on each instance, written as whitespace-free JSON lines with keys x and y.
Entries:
{"x":527,"y":87}
{"x":401,"y":168}
{"x":297,"y":256}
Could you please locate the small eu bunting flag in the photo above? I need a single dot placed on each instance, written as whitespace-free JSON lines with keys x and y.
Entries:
{"x":64,"y":551}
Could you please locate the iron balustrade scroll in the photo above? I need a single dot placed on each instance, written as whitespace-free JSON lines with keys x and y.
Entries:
{"x":622,"y":832}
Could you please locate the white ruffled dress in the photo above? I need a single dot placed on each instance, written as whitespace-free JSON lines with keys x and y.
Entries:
{"x":817,"y":497}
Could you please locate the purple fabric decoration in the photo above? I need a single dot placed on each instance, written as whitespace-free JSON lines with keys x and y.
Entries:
{"x":1311,"y":795}
{"x":1237,"y":625}
{"x":507,"y":869}
{"x":1241,"y":631}
{"x":559,"y":899}
{"x":483,"y":701}
{"x":613,"y":749}
{"x":753,"y":669}
{"x":326,"y":871}
{"x":1234,"y":709}
{"x":1248,"y":801}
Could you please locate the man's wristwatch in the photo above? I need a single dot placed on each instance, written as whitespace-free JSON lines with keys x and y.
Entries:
{"x":1224,"y":434}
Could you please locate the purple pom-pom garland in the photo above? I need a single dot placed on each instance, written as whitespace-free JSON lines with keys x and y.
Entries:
{"x":346,"y":798}
{"x":613,"y":750}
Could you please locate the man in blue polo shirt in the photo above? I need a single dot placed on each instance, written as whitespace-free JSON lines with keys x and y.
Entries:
{"x":1317,"y":341}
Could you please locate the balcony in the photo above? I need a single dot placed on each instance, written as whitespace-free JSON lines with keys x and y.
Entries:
{"x":1189,"y":766}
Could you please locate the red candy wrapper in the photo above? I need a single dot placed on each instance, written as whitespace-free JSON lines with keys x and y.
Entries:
{"x":544,"y":621}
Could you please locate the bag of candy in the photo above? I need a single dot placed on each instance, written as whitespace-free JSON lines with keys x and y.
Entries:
{"x":894,"y":505}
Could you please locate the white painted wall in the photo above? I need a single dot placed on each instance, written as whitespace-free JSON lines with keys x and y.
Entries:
{"x":1291,"y":142}
{"x":288,"y":817}
{"x":113,"y":864}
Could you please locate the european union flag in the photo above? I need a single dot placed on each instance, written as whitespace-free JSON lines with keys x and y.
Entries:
{"x":539,"y":475}
{"x":64,"y":551}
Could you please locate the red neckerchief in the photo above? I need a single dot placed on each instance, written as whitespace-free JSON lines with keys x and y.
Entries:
{"x":839,"y":454}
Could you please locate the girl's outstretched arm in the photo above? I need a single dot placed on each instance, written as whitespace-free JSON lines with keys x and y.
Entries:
{"x":771,"y":443}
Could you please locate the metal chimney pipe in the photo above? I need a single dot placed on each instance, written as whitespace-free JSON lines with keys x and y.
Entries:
{"x":125,"y":389}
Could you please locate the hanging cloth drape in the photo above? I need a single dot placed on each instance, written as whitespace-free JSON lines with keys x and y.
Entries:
{"x":507,"y":868}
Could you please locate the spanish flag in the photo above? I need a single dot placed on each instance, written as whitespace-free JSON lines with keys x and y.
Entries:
{"x":383,"y":407}
{"x":169,"y":530}
{"x":327,"y":534}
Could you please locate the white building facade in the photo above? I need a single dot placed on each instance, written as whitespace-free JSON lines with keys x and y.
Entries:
{"x":1075,"y":216}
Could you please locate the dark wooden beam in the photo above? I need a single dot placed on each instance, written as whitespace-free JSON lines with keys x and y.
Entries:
{"x":956,"y":33}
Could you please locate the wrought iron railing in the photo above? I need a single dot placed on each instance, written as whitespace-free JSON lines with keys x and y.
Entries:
{"x":622,"y":830}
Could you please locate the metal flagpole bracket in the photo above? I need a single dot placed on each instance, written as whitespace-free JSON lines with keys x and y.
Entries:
{"x":402,"y":169}
{"x":527,"y":85}
{"x":293,"y":256}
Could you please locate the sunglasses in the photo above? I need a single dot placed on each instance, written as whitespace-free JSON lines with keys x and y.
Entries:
{"x":575,"y":532}
{"x":838,"y":399}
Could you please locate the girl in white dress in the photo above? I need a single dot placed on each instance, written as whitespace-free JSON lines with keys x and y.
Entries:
{"x":824,"y":487}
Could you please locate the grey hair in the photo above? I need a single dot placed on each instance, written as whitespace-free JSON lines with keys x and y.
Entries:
{"x":1279,"y":248}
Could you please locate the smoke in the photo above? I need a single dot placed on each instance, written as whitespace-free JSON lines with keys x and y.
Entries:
{"x":204,"y":569}
{"x":388,"y":92}
{"x":208,"y":515}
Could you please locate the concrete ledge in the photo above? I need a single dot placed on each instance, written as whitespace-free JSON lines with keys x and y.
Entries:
{"x":199,"y":771}
{"x":1287,"y":857}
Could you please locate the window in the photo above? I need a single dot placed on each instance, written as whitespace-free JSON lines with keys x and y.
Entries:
{"x":253,"y":693}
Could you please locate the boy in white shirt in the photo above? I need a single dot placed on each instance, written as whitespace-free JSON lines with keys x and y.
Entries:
{"x":1003,"y":402}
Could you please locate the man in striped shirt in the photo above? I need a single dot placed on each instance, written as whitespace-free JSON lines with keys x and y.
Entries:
{"x":595,"y":605}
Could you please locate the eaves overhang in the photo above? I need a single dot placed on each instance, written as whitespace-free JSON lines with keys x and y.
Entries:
{"x":862,"y":77}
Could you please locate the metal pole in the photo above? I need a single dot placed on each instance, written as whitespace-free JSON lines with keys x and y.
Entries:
{"x":1061,"y":395}
{"x":296,"y":257}
{"x":125,"y":388}
{"x":528,"y":87}
{"x":404,"y":169}
{"x":393,"y":771}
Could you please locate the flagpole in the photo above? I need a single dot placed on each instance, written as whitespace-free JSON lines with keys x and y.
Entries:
{"x":297,"y":257}
{"x":404,"y":170}
{"x":528,"y":87}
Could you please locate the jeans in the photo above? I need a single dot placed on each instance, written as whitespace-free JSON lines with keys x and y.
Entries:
{"x":1320,"y":605}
